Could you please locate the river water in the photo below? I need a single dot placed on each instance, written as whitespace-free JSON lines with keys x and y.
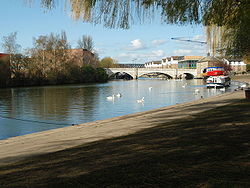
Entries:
{"x":33,"y":109}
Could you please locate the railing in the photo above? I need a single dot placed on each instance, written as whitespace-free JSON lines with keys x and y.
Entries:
{"x":130,"y":66}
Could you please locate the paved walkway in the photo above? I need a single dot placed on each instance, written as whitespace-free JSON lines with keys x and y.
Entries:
{"x":17,"y":148}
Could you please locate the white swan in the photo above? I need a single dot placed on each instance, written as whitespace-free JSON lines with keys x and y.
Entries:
{"x":118,"y":94}
{"x":110,"y":97}
{"x":243,"y":86}
{"x":185,"y":85}
{"x":140,"y":100}
{"x":213,"y":89}
{"x":223,"y":89}
{"x":196,"y":92}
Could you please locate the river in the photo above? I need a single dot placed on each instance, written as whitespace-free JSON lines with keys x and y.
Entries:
{"x":34,"y":109}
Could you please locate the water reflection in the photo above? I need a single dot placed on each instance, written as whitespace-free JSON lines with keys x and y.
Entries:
{"x":65,"y":105}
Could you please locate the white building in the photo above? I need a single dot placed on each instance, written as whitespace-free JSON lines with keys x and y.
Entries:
{"x":238,"y":66}
{"x":170,"y":62}
{"x":153,"y":64}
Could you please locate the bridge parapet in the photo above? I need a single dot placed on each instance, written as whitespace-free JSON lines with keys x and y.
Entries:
{"x":137,"y":72}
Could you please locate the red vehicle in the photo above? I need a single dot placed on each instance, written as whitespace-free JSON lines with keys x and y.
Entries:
{"x":213,"y":71}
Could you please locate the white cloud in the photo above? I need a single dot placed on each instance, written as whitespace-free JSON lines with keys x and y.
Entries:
{"x":182,"y":52}
{"x":136,"y":44}
{"x":158,"y":53}
{"x":126,"y":56}
{"x":158,"y":42}
{"x":199,"y":38}
{"x":100,"y":51}
{"x":141,"y":57}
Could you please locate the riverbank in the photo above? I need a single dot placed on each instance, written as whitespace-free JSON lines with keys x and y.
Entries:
{"x":242,"y":78}
{"x":198,"y":143}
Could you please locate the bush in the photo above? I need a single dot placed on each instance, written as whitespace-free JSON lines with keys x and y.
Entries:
{"x":87,"y":74}
{"x":4,"y":73}
{"x":248,"y":67}
{"x":101,"y":75}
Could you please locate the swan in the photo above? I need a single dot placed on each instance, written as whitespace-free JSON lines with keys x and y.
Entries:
{"x":196,"y":92}
{"x":243,"y":86}
{"x":223,"y":89}
{"x":150,"y":88}
{"x":185,"y":85}
{"x":118,"y":94}
{"x":110,"y":97}
{"x":214,"y":88}
{"x":140,"y":100}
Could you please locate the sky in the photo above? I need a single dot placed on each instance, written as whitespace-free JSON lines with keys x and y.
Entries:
{"x":139,"y":44}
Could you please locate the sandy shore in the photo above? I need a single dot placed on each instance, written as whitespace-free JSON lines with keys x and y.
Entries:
{"x":17,"y":148}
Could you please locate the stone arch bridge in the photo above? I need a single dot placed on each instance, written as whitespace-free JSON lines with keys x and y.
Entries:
{"x":138,"y":72}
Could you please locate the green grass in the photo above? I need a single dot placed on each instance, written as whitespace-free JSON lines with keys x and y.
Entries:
{"x":209,"y":149}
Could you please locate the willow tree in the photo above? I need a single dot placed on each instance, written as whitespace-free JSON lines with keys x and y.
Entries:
{"x":232,"y":17}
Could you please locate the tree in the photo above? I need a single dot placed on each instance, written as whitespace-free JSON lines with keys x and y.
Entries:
{"x":232,"y":15}
{"x":4,"y":71}
{"x":107,"y":62}
{"x":12,"y":48}
{"x":19,"y":66}
{"x":101,"y":75}
{"x":50,"y":53}
{"x":248,"y":68}
{"x":86,"y":42}
{"x":9,"y":44}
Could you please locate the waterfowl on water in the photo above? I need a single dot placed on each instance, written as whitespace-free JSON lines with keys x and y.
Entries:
{"x":140,"y":100}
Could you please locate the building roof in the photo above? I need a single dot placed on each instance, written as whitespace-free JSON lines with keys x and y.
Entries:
{"x":154,"y":62}
{"x":209,"y":59}
{"x":178,"y":57}
{"x":234,"y":59}
{"x":3,"y":54}
{"x":192,"y":57}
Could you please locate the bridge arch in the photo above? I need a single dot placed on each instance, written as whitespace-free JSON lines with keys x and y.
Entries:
{"x":155,"y":75}
{"x":187,"y":76}
{"x":121,"y":75}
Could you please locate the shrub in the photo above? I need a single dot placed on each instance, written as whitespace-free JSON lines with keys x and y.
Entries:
{"x":248,"y":67}
{"x":87,"y":74}
{"x":101,"y":75}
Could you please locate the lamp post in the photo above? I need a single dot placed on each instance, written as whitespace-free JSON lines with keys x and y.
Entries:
{"x":135,"y":68}
{"x":133,"y":60}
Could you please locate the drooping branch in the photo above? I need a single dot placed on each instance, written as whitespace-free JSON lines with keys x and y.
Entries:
{"x":233,"y":15}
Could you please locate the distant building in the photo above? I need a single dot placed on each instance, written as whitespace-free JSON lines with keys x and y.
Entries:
{"x":171,"y":62}
{"x":2,"y":55}
{"x":233,"y":65}
{"x":175,"y":62}
{"x":189,"y":62}
{"x":81,"y":56}
{"x":205,"y":62}
{"x":153,"y":64}
{"x":237,"y":65}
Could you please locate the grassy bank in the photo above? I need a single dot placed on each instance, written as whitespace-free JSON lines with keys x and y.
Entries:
{"x":208,"y":149}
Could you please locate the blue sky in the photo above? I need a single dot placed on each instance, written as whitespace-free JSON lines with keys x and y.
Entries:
{"x":144,"y":43}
